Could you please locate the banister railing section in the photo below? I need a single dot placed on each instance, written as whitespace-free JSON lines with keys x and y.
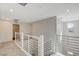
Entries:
{"x":70,"y":45}
{"x":30,"y":44}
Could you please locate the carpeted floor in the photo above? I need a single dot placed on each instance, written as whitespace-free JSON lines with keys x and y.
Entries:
{"x":10,"y":49}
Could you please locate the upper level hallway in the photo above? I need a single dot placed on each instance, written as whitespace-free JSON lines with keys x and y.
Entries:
{"x":47,"y":19}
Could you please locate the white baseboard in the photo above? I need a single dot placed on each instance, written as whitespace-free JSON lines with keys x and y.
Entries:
{"x":5,"y":41}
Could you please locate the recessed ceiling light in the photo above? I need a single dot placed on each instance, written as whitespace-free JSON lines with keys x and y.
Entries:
{"x":68,"y":10}
{"x":11,"y":10}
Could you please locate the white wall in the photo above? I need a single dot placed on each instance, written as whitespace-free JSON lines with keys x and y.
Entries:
{"x":59,"y":32}
{"x":47,"y":27}
{"x":5,"y":31}
{"x":25,"y":27}
{"x":59,"y":26}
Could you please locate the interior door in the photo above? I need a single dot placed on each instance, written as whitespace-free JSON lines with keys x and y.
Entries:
{"x":16,"y":28}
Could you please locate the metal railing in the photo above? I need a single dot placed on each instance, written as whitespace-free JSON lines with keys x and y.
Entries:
{"x":30,"y":44}
{"x":70,"y":45}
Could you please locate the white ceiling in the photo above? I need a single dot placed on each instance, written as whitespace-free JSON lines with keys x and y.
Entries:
{"x":38,"y":11}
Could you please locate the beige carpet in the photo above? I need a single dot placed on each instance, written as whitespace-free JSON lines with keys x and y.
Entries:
{"x":10,"y":49}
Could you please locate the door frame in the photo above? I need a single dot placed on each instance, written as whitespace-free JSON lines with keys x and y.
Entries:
{"x":12,"y":29}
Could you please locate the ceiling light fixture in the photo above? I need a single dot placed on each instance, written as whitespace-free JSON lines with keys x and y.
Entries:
{"x":68,"y":10}
{"x":23,"y":4}
{"x":11,"y":10}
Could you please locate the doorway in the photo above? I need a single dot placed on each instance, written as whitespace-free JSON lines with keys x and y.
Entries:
{"x":16,"y":28}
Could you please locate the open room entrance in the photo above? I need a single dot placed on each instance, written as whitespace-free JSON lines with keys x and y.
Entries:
{"x":16,"y":28}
